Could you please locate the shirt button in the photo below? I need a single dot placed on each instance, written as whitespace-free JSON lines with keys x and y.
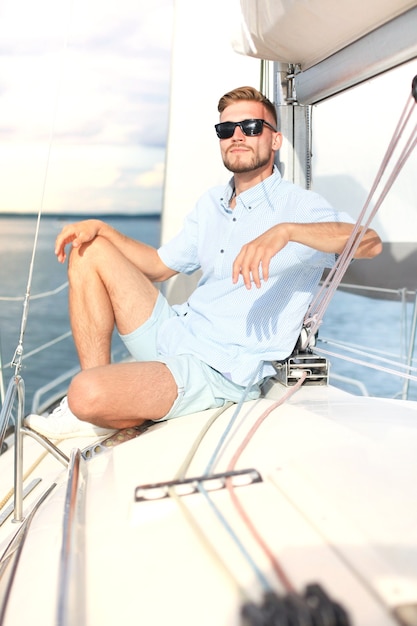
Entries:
{"x":234,"y":219}
{"x":221,"y":251}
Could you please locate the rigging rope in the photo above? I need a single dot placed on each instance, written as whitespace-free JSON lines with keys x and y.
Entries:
{"x":279,"y":571}
{"x":180,"y":475}
{"x":315,"y":313}
{"x":215,"y":456}
{"x":18,"y":355}
{"x":275,"y":564}
{"x":243,"y":550}
{"x":182,"y":471}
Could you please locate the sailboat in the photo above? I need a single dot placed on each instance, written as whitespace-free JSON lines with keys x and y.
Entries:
{"x":294,"y":509}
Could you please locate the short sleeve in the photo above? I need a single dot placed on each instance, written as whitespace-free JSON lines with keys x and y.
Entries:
{"x":181,"y":252}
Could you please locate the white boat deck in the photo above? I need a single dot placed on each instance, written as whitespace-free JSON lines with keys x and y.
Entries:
{"x":335,"y":506}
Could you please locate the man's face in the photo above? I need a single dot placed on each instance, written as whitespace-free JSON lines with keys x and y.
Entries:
{"x":241,"y":153}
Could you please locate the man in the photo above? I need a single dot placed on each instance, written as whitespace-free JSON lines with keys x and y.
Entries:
{"x":261,"y":243}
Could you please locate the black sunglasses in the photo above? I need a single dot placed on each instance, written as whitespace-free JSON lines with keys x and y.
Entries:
{"x":250,"y":128}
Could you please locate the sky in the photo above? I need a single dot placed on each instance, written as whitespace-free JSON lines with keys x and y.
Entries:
{"x":84,"y":98}
{"x":84,"y":93}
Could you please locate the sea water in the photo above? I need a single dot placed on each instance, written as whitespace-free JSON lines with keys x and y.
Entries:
{"x":47,"y":315}
{"x":350,"y":318}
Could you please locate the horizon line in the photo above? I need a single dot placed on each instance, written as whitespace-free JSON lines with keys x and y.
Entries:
{"x":77,"y":214}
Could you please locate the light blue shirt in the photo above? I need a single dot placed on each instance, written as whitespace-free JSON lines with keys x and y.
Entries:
{"x":226,"y":325}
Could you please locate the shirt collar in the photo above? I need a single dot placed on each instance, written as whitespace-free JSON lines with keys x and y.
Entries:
{"x":254,"y":196}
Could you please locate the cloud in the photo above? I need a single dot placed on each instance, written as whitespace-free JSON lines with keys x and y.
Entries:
{"x":81,"y":75}
{"x":153,"y":178}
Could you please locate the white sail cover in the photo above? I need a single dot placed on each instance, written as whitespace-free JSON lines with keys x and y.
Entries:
{"x":309,"y":31}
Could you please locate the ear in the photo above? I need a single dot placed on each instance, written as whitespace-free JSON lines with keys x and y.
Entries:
{"x":277,"y":141}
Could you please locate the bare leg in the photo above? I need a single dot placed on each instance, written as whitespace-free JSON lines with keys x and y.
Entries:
{"x":123,"y":394}
{"x":107,"y":289}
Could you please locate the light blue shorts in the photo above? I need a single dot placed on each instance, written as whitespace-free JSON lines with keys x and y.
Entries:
{"x":200,"y":387}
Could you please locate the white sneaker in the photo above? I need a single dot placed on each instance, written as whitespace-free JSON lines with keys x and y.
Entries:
{"x":62,"y":423}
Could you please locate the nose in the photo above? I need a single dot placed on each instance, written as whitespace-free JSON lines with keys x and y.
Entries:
{"x":240,"y":134}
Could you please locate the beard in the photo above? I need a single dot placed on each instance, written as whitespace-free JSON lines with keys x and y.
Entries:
{"x":239,"y":165}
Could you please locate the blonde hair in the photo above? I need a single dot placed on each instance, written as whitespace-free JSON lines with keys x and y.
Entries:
{"x":246,"y":93}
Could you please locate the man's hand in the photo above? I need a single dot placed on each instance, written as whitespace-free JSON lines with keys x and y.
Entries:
{"x":77,"y":234}
{"x":329,"y":237}
{"x":258,"y":253}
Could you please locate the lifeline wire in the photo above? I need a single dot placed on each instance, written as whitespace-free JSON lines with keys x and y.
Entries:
{"x":38,"y":296}
{"x":380,"y":368}
{"x":44,"y":346}
{"x":369,"y":353}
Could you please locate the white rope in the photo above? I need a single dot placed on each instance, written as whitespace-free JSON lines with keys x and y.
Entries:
{"x":315,"y":313}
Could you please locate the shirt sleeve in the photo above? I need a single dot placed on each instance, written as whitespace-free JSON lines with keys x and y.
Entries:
{"x":181,"y":252}
{"x":310,"y":207}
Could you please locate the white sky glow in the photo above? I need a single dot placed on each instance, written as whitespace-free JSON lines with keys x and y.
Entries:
{"x":84,"y":93}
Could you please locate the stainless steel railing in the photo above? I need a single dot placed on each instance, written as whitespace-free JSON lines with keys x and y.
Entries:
{"x":16,"y":388}
{"x":71,"y":584}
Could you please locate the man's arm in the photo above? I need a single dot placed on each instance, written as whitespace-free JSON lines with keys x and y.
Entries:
{"x":328,"y":237}
{"x":144,"y":257}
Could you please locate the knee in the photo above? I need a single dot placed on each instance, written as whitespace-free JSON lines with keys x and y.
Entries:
{"x":88,"y":256}
{"x":84,"y":395}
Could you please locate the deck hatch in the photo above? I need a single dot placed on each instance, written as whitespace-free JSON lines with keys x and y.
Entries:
{"x":189,"y":486}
